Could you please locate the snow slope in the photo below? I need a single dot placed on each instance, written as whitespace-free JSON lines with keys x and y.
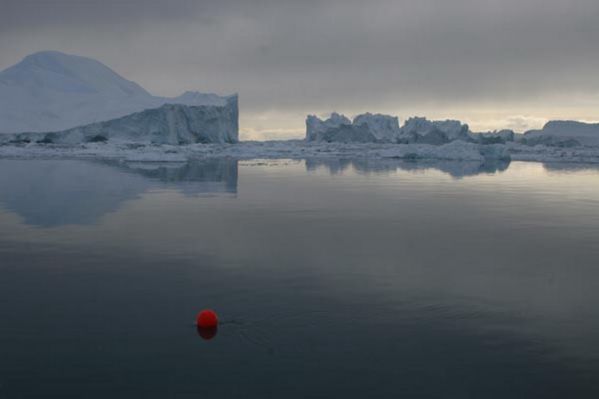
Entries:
{"x":52,"y":91}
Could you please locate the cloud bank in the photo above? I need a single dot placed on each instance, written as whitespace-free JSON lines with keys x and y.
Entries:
{"x":485,"y":61}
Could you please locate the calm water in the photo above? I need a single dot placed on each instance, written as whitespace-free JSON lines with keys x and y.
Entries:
{"x":333,"y":278}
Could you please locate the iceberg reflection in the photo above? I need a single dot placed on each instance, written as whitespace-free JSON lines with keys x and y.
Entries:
{"x":210,"y":176}
{"x":456,"y":169}
{"x":50,"y":193}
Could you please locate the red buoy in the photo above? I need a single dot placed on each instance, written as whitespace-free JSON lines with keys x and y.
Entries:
{"x":207,"y":319}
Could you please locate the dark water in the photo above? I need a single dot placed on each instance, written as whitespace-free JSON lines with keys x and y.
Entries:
{"x":342,"y":278}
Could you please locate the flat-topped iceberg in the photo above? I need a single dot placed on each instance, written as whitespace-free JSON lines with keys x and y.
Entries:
{"x":564,"y":134}
{"x":170,"y":124}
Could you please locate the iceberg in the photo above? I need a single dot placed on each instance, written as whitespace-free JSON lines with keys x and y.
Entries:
{"x":58,"y":105}
{"x":370,"y":128}
{"x":52,"y":91}
{"x":384,"y":128}
{"x":421,"y":130}
{"x":316,"y":128}
{"x":173,"y":124}
{"x":495,"y":137}
{"x":564,"y":134}
{"x":365,"y":128}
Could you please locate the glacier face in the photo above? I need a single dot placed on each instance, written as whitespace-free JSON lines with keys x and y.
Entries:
{"x":173,"y":124}
{"x":52,"y":91}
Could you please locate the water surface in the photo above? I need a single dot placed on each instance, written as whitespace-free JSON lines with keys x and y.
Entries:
{"x":333,"y":278}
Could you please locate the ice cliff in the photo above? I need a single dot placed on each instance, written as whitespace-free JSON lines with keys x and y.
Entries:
{"x":169,"y":124}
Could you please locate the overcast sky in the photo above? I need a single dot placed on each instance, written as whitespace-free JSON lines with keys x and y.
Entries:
{"x":491,"y":63}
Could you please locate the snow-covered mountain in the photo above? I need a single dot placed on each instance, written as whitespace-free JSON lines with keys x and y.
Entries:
{"x":52,"y":91}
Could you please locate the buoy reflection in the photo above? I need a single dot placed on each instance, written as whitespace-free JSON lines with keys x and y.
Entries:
{"x":207,"y":333}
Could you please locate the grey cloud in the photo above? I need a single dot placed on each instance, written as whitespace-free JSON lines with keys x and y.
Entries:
{"x":317,"y":55}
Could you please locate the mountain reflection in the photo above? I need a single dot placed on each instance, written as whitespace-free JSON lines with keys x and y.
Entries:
{"x":456,"y":169}
{"x":52,"y":193}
